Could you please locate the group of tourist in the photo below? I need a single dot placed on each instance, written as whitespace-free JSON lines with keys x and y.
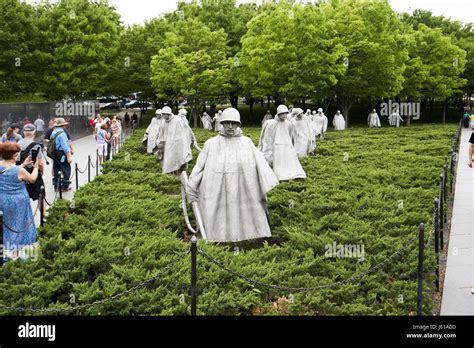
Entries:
{"x":108,"y":135}
{"x":21,"y":168}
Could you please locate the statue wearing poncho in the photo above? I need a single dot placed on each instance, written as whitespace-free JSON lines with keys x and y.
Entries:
{"x":206,"y":121}
{"x":338,"y":122}
{"x":373,"y":119}
{"x":230,"y":181}
{"x":394,"y":119}
{"x":268,"y":116}
{"x":153,"y":132}
{"x":217,"y":122}
{"x":176,"y":141}
{"x":302,"y":134}
{"x":277,"y":147}
{"x":320,"y":123}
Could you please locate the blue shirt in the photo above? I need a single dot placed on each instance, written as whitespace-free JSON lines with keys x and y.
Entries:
{"x":62,"y":140}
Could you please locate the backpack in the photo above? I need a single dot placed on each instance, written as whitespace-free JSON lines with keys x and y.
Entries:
{"x":34,"y":189}
{"x":51,"y":151}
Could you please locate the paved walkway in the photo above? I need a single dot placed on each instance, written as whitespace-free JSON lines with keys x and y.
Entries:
{"x":458,"y":292}
{"x":82,"y":149}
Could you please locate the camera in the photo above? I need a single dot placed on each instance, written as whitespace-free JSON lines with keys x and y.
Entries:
{"x":34,"y":154}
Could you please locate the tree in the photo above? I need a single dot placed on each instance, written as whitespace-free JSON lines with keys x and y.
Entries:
{"x":131,"y":70}
{"x":225,"y":15}
{"x":373,"y":37}
{"x":288,"y":53}
{"x":80,"y":40}
{"x":444,"y":62}
{"x":461,"y":35}
{"x":20,"y":73}
{"x":193,"y":64}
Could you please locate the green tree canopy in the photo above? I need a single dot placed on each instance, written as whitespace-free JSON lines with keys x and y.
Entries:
{"x":19,"y":44}
{"x":372,"y":35}
{"x":287,"y":51}
{"x":80,"y":39}
{"x":193,"y":63}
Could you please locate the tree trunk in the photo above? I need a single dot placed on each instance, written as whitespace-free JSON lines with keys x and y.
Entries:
{"x":423,"y":108}
{"x":261,"y":102}
{"x":194,"y":116}
{"x":268,"y":102}
{"x":303,"y":103}
{"x":431,"y":109}
{"x":408,"y":116}
{"x":346,"y":105}
{"x":213,"y":110}
{"x":445,"y":109}
{"x":278,"y":100}
{"x":251,"y":102}
{"x":234,"y":100}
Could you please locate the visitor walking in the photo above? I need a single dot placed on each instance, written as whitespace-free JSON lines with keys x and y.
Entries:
{"x":62,"y":159}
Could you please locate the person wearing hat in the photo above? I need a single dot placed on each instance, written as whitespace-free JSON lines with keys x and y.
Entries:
{"x":29,"y":147}
{"x":175,"y":142}
{"x":62,"y":162}
{"x":302,"y":134}
{"x":28,"y":144}
{"x":277,"y":147}
{"x":230,"y":182}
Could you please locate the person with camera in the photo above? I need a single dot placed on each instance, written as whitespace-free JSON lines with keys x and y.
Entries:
{"x":19,"y":228}
{"x":30,"y":148}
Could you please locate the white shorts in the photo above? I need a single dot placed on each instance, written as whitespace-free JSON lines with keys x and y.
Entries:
{"x":102,"y":148}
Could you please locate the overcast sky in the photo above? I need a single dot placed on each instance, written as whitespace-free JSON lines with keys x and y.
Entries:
{"x":137,"y":11}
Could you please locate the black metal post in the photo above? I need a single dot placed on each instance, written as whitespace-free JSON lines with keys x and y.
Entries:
{"x":441,"y":210}
{"x":436,"y":244}
{"x":60,"y":188}
{"x":421,"y":244}
{"x":97,"y":163}
{"x":445,"y":183}
{"x":193,"y":274}
{"x":89,"y":168}
{"x":2,"y":246}
{"x":41,"y":205}
{"x":77,"y":178}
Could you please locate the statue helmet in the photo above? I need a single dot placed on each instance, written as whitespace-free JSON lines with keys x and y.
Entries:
{"x":230,"y":114}
{"x":183,"y":112}
{"x":320,"y":110}
{"x":282,"y":109}
{"x":167,"y":111}
{"x":158,"y":112}
{"x":297,"y":111}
